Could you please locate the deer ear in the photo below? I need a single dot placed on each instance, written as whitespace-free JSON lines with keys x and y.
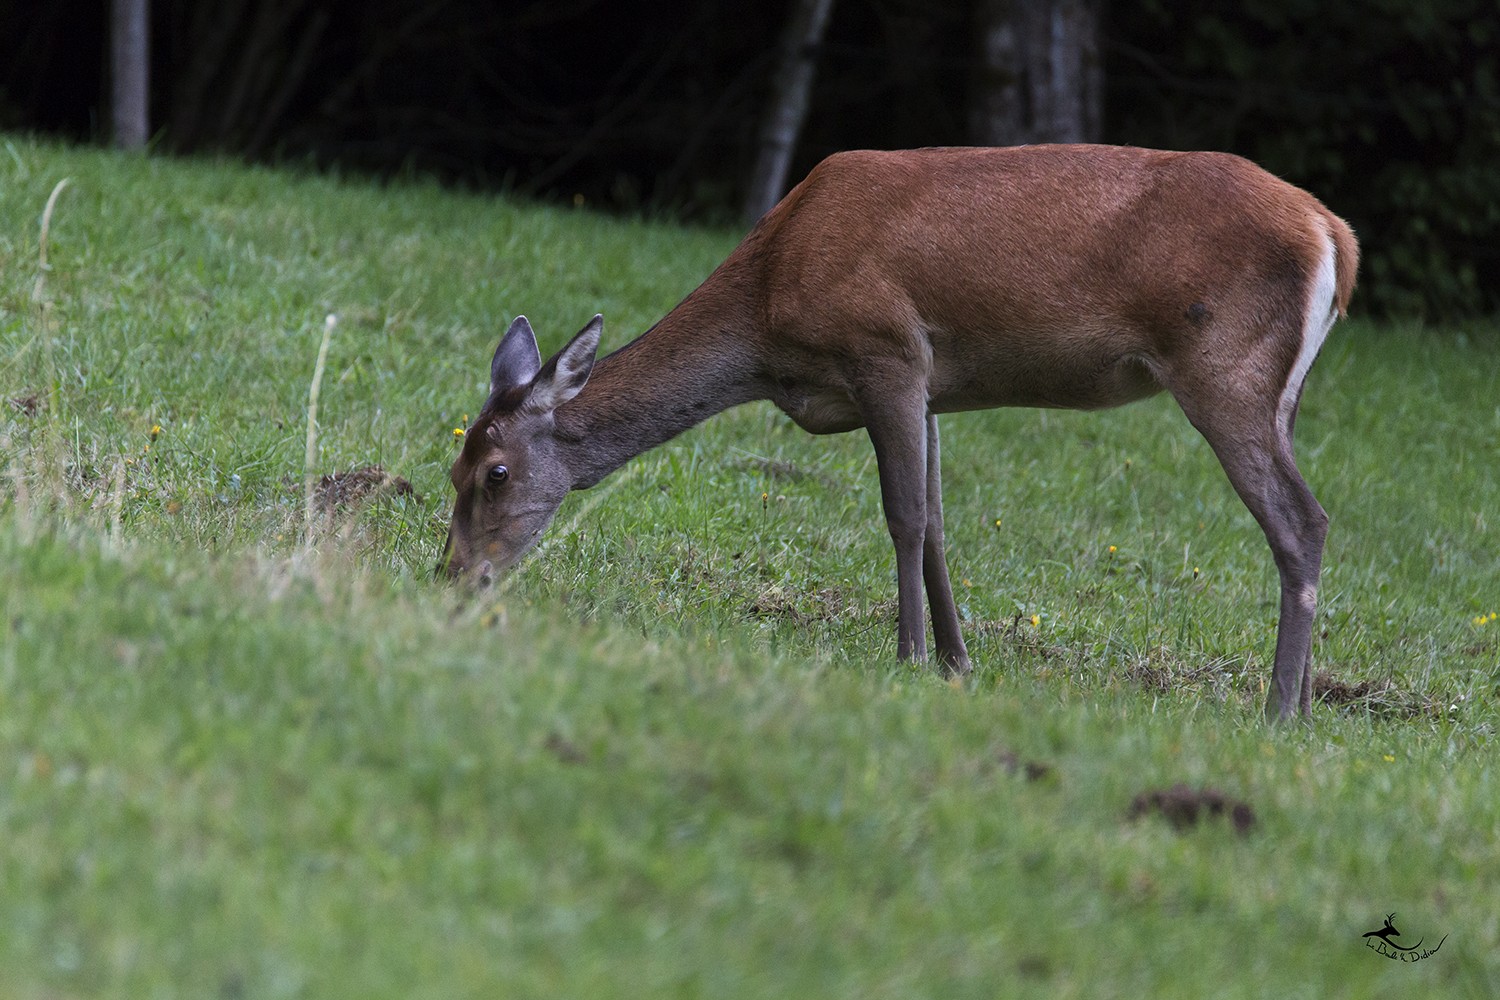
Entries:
{"x":516,"y":360}
{"x":567,"y":371}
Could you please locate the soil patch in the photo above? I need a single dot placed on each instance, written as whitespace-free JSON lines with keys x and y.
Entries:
{"x":1185,"y":807}
{"x":1380,"y":698}
{"x":346,"y":489}
{"x":28,"y":405}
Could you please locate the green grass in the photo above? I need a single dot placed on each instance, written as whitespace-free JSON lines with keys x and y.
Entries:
{"x":675,"y":756}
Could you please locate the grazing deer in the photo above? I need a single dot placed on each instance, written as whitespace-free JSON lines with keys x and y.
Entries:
{"x":889,"y":287}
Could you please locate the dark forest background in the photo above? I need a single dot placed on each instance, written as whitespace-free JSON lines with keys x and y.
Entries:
{"x":1389,"y":110}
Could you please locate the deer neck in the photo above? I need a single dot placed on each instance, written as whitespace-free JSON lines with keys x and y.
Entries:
{"x":699,"y":360}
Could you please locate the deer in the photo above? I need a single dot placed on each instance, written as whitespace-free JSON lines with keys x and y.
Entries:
{"x":889,"y":287}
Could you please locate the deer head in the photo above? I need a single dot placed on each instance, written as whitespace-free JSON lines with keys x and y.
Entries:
{"x":512,"y":474}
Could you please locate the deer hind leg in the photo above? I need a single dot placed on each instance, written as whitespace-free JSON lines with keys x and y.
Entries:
{"x":1251,"y":436}
{"x":1296,"y":526}
{"x":946,"y":633}
{"x":897,"y":431}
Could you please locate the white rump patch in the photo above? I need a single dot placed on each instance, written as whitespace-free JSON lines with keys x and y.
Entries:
{"x":1317,"y":321}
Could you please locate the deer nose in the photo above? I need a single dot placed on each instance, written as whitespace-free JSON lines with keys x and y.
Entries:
{"x":484,"y":575}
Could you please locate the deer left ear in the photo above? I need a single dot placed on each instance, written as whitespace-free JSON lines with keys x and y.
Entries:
{"x":516,"y":360}
{"x":567,"y":371}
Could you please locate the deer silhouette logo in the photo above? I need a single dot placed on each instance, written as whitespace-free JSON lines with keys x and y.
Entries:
{"x":1383,"y":945}
{"x":1389,"y":931}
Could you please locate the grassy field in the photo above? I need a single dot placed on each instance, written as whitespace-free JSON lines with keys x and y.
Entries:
{"x":249,"y":749}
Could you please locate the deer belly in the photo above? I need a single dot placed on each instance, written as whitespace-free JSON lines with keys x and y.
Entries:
{"x":1056,"y":382}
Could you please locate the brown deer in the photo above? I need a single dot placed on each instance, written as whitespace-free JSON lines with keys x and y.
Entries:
{"x":889,"y":287}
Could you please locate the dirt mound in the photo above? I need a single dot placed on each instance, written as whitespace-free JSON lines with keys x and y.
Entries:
{"x":28,"y":405}
{"x":346,"y":489}
{"x":1380,"y":698}
{"x":1184,"y":807}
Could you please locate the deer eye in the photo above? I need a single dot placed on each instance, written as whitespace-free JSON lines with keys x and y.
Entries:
{"x":497,"y":475}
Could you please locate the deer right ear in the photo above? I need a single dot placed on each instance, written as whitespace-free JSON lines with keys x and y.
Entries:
{"x":517,"y":359}
{"x":562,"y":377}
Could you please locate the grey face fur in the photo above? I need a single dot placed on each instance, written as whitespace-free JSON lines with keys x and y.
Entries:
{"x":512,"y":473}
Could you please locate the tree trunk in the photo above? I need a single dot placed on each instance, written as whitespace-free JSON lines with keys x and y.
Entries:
{"x":245,"y":61}
{"x":997,"y":100}
{"x":791,"y":88}
{"x":130,"y":58}
{"x":1038,"y":76}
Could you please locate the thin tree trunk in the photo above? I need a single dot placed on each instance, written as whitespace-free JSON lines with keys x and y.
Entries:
{"x":1063,"y":63}
{"x":792,"y":88}
{"x":290,"y":78}
{"x":998,"y":101}
{"x":207,"y":34}
{"x":130,"y":58}
{"x":1038,"y":77}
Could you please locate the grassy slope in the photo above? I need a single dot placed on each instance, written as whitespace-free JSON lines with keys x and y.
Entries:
{"x":232,"y":765}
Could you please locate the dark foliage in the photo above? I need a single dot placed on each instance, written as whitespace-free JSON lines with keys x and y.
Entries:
{"x":1389,"y":110}
{"x":626,"y":103}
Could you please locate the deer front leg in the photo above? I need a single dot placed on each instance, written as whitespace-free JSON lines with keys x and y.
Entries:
{"x":946,"y":634}
{"x":898,"y":431}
